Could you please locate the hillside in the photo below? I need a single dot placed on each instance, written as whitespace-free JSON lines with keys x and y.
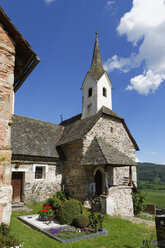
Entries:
{"x":151,"y":176}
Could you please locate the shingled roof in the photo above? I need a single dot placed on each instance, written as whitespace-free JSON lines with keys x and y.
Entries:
{"x":97,"y":69}
{"x":34,"y":138}
{"x":76,"y":128}
{"x":100,"y":152}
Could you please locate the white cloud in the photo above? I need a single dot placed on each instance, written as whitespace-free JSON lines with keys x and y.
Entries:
{"x":145,"y":22}
{"x":109,"y":3}
{"x":137,"y":160}
{"x":49,"y":1}
{"x":153,"y":153}
{"x":145,"y":83}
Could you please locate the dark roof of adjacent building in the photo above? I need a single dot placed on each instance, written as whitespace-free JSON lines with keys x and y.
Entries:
{"x":100,"y":152}
{"x":34,"y":138}
{"x":76,"y":128}
{"x":26,"y":59}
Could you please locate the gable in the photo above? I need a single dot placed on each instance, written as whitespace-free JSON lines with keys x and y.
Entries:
{"x":113,"y":131}
{"x":100,"y":152}
{"x":78,"y":129}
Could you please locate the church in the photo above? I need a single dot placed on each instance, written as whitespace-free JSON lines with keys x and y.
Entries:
{"x":90,"y":153}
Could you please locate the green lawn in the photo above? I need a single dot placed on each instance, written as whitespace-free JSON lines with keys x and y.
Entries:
{"x":155,"y":197}
{"x":122,"y":234}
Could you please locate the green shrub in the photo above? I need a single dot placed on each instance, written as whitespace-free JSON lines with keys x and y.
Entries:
{"x":81,"y":221}
{"x":56,"y":200}
{"x":93,"y":222}
{"x":138,"y":202}
{"x":69,"y":210}
{"x":6,"y":239}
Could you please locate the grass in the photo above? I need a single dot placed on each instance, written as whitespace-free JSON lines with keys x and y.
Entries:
{"x":122,"y":234}
{"x":155,"y":197}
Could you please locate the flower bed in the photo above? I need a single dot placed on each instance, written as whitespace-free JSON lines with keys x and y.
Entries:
{"x":70,"y":234}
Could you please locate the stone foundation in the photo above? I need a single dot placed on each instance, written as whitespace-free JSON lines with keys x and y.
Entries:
{"x":119,"y":201}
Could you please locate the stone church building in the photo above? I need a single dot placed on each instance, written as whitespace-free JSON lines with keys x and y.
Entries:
{"x":93,"y":152}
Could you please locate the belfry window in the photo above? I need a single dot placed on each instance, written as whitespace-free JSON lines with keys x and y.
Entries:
{"x":104,"y":92}
{"x":89,"y":92}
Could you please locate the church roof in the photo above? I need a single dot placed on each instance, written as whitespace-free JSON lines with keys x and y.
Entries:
{"x":76,"y":128}
{"x":31,"y":137}
{"x":34,"y":138}
{"x":26,"y":59}
{"x":97,"y":69}
{"x":100,"y":152}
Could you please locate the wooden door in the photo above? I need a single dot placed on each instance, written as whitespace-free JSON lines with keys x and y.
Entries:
{"x":17,"y":186}
{"x":98,"y":181}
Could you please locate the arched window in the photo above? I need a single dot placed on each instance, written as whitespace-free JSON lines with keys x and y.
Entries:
{"x":104,"y":92}
{"x":89,"y":92}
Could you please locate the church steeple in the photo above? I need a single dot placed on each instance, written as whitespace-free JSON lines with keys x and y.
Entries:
{"x":96,"y":86}
{"x":97,"y":69}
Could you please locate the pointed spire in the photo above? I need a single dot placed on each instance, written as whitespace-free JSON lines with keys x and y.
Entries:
{"x":97,"y":69}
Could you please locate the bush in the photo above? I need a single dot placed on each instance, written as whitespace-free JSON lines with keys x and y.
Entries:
{"x":138,"y":202}
{"x":69,"y":210}
{"x":56,"y":200}
{"x":6,"y":239}
{"x":81,"y":221}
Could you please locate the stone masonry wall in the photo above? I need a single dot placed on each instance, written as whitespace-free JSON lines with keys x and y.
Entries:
{"x":35,"y":190}
{"x":7,"y":63}
{"x":118,"y":138}
{"x":119,"y":202}
{"x":73,"y":170}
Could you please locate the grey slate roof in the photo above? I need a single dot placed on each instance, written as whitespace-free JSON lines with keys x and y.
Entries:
{"x":100,"y":152}
{"x":34,"y":138}
{"x":76,"y":128}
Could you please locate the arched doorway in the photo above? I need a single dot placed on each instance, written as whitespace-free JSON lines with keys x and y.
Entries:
{"x":99,"y":182}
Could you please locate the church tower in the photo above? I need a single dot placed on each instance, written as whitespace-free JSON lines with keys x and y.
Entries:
{"x":96,"y":88}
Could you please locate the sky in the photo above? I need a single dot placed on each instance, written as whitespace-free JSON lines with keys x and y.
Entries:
{"x":132,"y":43}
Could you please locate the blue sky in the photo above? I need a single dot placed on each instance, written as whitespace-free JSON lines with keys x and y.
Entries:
{"x":131,"y":37}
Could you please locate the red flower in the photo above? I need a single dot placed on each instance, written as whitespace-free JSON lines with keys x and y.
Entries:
{"x":43,"y":210}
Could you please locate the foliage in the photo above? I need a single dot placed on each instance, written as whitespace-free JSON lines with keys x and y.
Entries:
{"x":65,"y":233}
{"x":56,"y":200}
{"x":93,"y":222}
{"x":151,"y":176}
{"x":138,"y":202}
{"x":81,"y":221}
{"x":2,"y":159}
{"x":122,"y":233}
{"x":6,"y":239}
{"x":69,"y":210}
{"x":46,"y":210}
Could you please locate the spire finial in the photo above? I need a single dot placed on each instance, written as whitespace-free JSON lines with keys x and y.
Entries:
{"x":96,"y":34}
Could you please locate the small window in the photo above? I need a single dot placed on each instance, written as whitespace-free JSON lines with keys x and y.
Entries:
{"x":111,"y":129}
{"x":89,"y":108}
{"x":39,"y":172}
{"x":105,"y":92}
{"x":90,"y":92}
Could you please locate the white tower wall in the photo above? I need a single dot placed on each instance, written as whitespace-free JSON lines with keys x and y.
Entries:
{"x":106,"y":101}
{"x":89,"y":105}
